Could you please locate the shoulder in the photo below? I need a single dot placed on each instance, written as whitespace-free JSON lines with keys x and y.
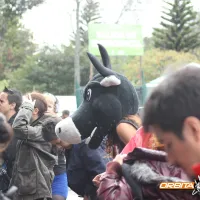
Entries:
{"x":131,"y":120}
{"x":123,"y":125}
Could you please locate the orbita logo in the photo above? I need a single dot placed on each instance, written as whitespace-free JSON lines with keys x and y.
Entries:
{"x":196,"y":186}
{"x":177,"y":186}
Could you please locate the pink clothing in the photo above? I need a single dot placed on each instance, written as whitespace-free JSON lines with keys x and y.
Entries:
{"x":141,"y":139}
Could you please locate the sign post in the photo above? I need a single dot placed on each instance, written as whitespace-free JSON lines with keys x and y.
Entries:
{"x":119,"y":40}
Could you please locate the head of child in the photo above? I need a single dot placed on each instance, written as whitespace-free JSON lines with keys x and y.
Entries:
{"x":52,"y":104}
{"x":49,"y":135}
{"x":61,"y":144}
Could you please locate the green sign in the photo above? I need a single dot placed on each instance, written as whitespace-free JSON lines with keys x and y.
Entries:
{"x":124,"y":40}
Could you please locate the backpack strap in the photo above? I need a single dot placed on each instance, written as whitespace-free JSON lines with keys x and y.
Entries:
{"x":135,"y":186}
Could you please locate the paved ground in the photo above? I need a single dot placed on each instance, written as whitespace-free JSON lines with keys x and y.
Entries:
{"x":73,"y":196}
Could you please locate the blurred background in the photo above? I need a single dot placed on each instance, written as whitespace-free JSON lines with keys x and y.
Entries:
{"x":43,"y":43}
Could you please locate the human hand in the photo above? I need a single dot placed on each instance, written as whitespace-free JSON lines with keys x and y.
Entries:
{"x":96,"y":179}
{"x":28,"y":99}
{"x":119,"y":158}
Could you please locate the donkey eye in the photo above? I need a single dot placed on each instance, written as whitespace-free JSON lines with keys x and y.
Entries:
{"x":88,"y":94}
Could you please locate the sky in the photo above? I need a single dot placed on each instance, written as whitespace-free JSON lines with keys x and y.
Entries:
{"x":53,"y":21}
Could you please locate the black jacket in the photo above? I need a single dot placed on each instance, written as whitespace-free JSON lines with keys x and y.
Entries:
{"x":83,"y":164}
{"x":10,"y":153}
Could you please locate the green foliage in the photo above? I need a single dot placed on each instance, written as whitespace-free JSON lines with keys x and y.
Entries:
{"x":16,"y":44}
{"x":3,"y":83}
{"x":89,"y":13}
{"x":50,"y":70}
{"x":155,"y":63}
{"x":148,"y":43}
{"x":179,"y":30}
{"x":196,"y":52}
{"x":15,"y":48}
{"x":15,"y":8}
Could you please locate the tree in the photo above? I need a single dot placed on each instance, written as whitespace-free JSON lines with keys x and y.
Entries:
{"x":50,"y":70}
{"x":15,"y":41}
{"x":15,"y":8}
{"x":88,"y":13}
{"x":178,"y":32}
{"x":126,"y":7}
{"x":16,"y":47}
{"x":12,"y":10}
{"x":148,"y":43}
{"x":156,"y":63}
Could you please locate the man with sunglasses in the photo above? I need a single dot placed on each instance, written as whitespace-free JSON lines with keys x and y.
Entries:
{"x":10,"y":101}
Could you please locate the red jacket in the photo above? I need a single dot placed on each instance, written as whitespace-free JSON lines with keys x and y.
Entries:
{"x":113,"y":185}
{"x":149,"y":168}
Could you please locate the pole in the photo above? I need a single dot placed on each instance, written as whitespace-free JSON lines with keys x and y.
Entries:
{"x":77,"y":50}
{"x":91,"y":71}
{"x":141,"y":78}
{"x":142,"y":82}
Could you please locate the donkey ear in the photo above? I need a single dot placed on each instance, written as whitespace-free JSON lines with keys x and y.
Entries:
{"x":105,"y":57}
{"x":99,"y":67}
{"x":110,"y":81}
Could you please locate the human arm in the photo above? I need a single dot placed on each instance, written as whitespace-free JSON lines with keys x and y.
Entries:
{"x":125,"y":131}
{"x":21,"y":124}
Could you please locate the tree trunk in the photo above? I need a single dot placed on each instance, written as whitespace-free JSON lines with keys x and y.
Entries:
{"x":77,"y":78}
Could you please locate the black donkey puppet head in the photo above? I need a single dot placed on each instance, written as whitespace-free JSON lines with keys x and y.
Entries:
{"x":108,"y":97}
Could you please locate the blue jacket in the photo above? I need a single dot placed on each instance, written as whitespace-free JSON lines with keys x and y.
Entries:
{"x":83,"y":164}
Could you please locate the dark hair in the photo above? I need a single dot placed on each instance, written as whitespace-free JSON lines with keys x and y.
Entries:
{"x":48,"y":128}
{"x":175,"y":99}
{"x":6,"y":131}
{"x":40,"y":103}
{"x":65,"y":112}
{"x":14,"y":96}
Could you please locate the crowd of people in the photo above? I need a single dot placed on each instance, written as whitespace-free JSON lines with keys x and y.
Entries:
{"x":33,"y":162}
{"x":162,"y":145}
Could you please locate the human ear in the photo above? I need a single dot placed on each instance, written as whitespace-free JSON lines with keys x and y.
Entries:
{"x":191,"y":129}
{"x":12,"y":106}
{"x":35,"y":111}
